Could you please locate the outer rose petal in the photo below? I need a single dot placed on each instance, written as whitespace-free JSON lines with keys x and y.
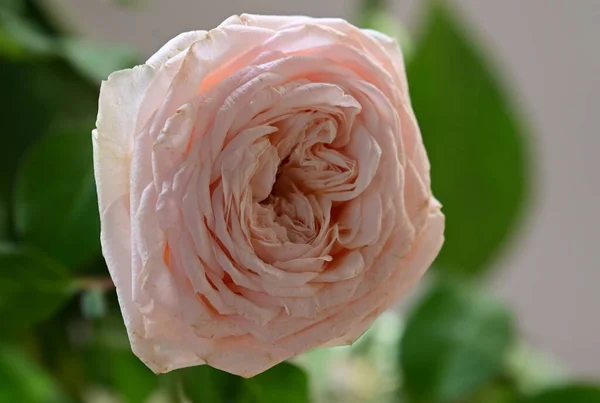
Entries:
{"x":120,"y":100}
{"x":119,"y":112}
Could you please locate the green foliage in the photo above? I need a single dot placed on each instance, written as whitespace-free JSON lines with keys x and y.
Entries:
{"x":43,"y":96}
{"x":455,"y":341}
{"x":96,"y":61}
{"x":208,"y":385}
{"x":498,"y":391}
{"x":23,"y":381}
{"x":576,"y":393}
{"x":283,"y":383}
{"x":117,"y":369}
{"x":12,"y":6}
{"x":32,"y":287}
{"x":474,"y":141}
{"x":20,"y":38}
{"x":56,"y":205}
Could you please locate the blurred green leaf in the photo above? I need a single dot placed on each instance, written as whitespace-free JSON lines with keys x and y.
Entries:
{"x":455,"y":340}
{"x":581,"y":393}
{"x":56,"y":205}
{"x":56,"y":343}
{"x":4,"y":216}
{"x":32,"y":287}
{"x":283,"y":383}
{"x":372,"y":6}
{"x":20,"y":38}
{"x":17,"y":127}
{"x":474,"y":141}
{"x":532,"y":369}
{"x":96,"y":61}
{"x":122,"y":372}
{"x":23,"y":381}
{"x":12,"y":6}
{"x":43,"y":96}
{"x":109,"y":362}
{"x":208,"y":385}
{"x":496,"y":392}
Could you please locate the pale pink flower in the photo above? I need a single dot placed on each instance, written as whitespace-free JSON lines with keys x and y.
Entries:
{"x":263,"y":190}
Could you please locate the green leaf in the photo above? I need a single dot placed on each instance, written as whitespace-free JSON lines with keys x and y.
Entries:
{"x":12,"y":6}
{"x":581,"y":393}
{"x":43,"y":96}
{"x":533,"y":370}
{"x":110,"y":363}
{"x":496,"y":392}
{"x":204,"y":384}
{"x":475,"y":143}
{"x":455,"y":341}
{"x":122,"y":372}
{"x":282,"y":383}
{"x":32,"y":287}
{"x":56,"y":204}
{"x":4,"y":216}
{"x":19,"y":38}
{"x":97,"y":61}
{"x":23,"y":381}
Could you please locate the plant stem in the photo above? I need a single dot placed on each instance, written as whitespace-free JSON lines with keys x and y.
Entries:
{"x":91,"y":283}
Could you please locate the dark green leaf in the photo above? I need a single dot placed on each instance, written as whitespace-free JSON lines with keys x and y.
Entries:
{"x":56,"y":343}
{"x":474,"y":141}
{"x":23,"y":381}
{"x":20,"y":38}
{"x":496,"y":392}
{"x":455,"y":341}
{"x":12,"y":6}
{"x":42,"y":96}
{"x":122,"y":372}
{"x":568,"y":394}
{"x":204,"y":384}
{"x":282,"y":383}
{"x":4,"y":216}
{"x":110,"y":363}
{"x":32,"y":287}
{"x":56,"y":205}
{"x":96,"y":61}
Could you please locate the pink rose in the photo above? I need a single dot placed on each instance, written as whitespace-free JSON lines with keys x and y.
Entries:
{"x":263,"y":190}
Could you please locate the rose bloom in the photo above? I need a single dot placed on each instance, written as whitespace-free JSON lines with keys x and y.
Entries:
{"x":263,"y":190}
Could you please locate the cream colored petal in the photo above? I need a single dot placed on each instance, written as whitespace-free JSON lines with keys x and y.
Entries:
{"x":274,"y":22}
{"x":118,"y":108}
{"x":174,"y":47}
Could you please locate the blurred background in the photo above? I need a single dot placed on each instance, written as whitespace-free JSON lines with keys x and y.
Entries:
{"x":507,"y":94}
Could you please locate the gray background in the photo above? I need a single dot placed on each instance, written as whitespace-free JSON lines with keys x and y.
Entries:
{"x":550,"y":55}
